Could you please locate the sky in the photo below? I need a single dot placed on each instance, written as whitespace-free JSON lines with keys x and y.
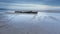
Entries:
{"x":30,"y":4}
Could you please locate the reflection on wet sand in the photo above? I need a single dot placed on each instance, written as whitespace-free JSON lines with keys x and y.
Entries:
{"x":41,"y":23}
{"x":53,"y":18}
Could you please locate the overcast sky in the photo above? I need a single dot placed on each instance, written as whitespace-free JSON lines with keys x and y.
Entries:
{"x":31,"y":4}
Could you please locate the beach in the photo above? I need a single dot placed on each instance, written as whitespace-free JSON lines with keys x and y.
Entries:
{"x":40,"y":23}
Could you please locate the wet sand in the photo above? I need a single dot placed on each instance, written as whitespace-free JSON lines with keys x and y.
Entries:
{"x":41,"y":23}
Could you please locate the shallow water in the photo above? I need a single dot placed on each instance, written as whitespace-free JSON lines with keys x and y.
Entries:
{"x":41,"y":23}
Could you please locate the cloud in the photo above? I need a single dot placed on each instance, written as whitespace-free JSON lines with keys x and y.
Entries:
{"x":33,"y":7}
{"x":47,"y":0}
{"x":27,"y":6}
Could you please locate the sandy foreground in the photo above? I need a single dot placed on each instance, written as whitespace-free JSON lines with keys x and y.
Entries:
{"x":41,"y":23}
